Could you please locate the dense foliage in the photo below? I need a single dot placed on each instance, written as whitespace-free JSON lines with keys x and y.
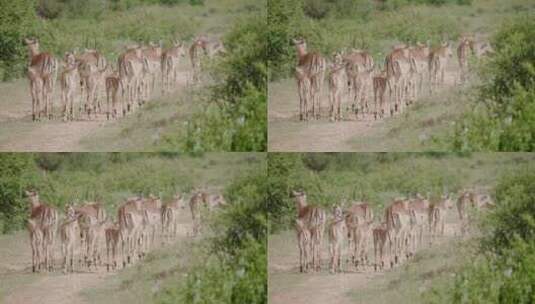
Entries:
{"x":504,"y":269}
{"x":16,"y":175}
{"x":236,"y":117}
{"x":18,"y":20}
{"x":234,"y":270}
{"x":504,"y":119}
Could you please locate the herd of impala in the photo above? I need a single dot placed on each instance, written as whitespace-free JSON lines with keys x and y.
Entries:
{"x":135,"y":75}
{"x":85,"y":231}
{"x":407,"y":223}
{"x":354,"y":74}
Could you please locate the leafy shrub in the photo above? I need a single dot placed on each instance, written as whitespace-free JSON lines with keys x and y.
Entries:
{"x":16,"y":175}
{"x":507,"y":95}
{"x":234,"y":270}
{"x":315,"y":8}
{"x":503,"y":271}
{"x":17,"y":21}
{"x":235,"y":119}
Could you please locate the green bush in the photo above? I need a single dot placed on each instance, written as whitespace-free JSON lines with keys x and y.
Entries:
{"x":16,"y":176}
{"x":234,"y":269}
{"x":235,"y":119}
{"x":503,"y":271}
{"x":507,"y":96}
{"x":17,"y":21}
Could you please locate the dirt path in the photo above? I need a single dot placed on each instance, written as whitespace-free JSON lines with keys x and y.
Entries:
{"x":286,"y":133}
{"x":21,"y":134}
{"x":287,"y":285}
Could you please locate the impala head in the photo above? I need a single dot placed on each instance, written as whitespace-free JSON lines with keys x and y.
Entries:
{"x":338,"y":213}
{"x":69,"y":210}
{"x":446,"y":45}
{"x":70,"y":59}
{"x":33,"y":196}
{"x":33,"y":45}
{"x":300,"y":45}
{"x":484,"y":49}
{"x":338,"y":58}
{"x":300,"y":197}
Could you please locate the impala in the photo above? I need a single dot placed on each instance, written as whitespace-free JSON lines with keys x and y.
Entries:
{"x":398,"y":222}
{"x":68,"y":232}
{"x":304,"y":244}
{"x":195,"y":204}
{"x":359,"y":217}
{"x":113,"y":236}
{"x":314,"y":219}
{"x":463,"y":50}
{"x":419,"y":211}
{"x":42,"y":73}
{"x":380,"y":236}
{"x":438,"y":59}
{"x":314,"y":66}
{"x":399,"y":73}
{"x":152,"y":64}
{"x":36,"y":241}
{"x":380,"y":82}
{"x":46,"y":220}
{"x":152,"y":213}
{"x":337,"y":80}
{"x":359,"y":67}
{"x":91,"y":66}
{"x":437,"y":215}
{"x":169,"y":64}
{"x":131,"y":222}
{"x":337,"y":230}
{"x":170,"y":217}
{"x":203,"y":45}
{"x":130,"y":65}
{"x":69,"y":79}
{"x":304,"y":90}
{"x":419,"y":55}
{"x":112,"y":88}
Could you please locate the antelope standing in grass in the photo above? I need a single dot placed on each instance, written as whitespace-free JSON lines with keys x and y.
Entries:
{"x":36,"y":242}
{"x":337,"y":80}
{"x":314,"y":66}
{"x":437,"y":216}
{"x":466,"y":46}
{"x":304,"y":244}
{"x":398,"y":72}
{"x":170,"y":217}
{"x":203,"y":45}
{"x":438,"y":59}
{"x":304,"y":89}
{"x":152,"y":213}
{"x":398,"y":222}
{"x":359,"y":217}
{"x":314,"y":219}
{"x":419,"y":211}
{"x":130,"y":65}
{"x":68,"y":231}
{"x":380,"y":82}
{"x":380,"y":236}
{"x":195,"y":204}
{"x":42,"y":73}
{"x":131,"y":223}
{"x":91,"y":66}
{"x":89,"y":214}
{"x":359,"y":67}
{"x":152,"y":65}
{"x":419,"y":55}
{"x":113,"y":237}
{"x":46,"y":219}
{"x":169,"y":64}
{"x":113,"y":81}
{"x":69,"y":79}
{"x":337,"y":230}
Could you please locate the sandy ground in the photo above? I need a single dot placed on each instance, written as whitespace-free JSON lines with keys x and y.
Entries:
{"x":287,"y":285}
{"x":49,"y":136}
{"x":287,"y":133}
